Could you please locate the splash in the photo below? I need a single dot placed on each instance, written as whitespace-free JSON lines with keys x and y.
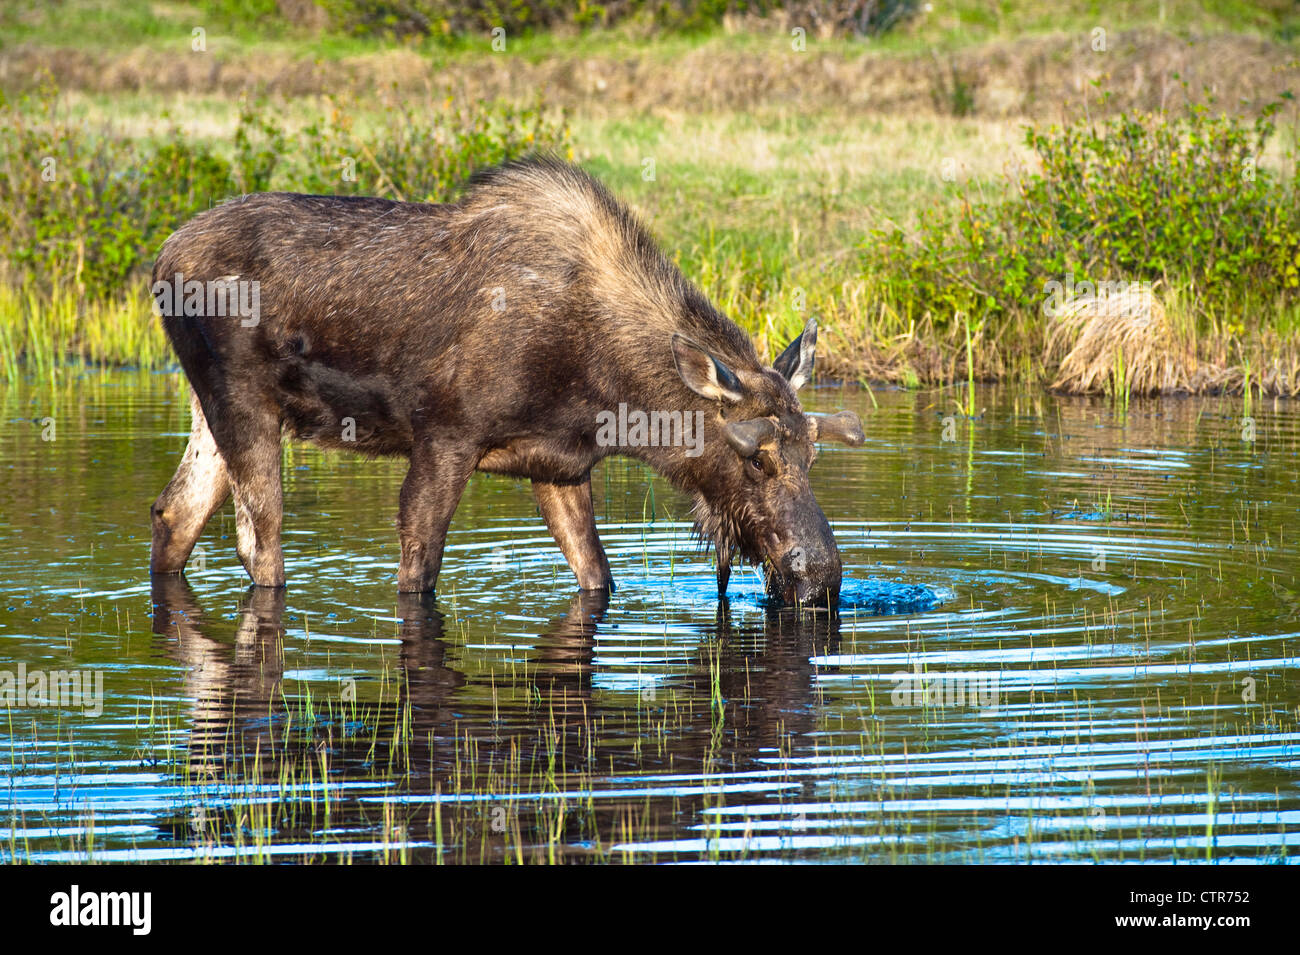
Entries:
{"x":884,"y":597}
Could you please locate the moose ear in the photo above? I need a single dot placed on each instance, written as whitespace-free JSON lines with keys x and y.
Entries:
{"x":704,"y":374}
{"x":796,"y":363}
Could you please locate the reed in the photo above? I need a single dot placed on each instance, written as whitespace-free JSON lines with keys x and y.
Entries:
{"x":45,"y":334}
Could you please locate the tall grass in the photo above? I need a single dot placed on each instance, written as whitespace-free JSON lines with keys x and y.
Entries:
{"x":952,"y":294}
{"x":44,"y":334}
{"x":83,"y":209}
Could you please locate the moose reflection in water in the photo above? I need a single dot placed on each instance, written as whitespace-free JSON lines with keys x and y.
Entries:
{"x":498,"y":765}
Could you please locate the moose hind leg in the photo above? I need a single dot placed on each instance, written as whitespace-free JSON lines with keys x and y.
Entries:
{"x":199,"y":487}
{"x":571,"y":519}
{"x":248,"y":434}
{"x":259,"y":505}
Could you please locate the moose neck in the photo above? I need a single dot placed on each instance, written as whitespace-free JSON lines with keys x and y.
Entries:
{"x":686,"y":447}
{"x":658,"y":419}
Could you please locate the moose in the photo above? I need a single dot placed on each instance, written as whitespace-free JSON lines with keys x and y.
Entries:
{"x":488,"y":334}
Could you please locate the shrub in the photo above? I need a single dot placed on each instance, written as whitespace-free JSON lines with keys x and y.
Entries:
{"x":422,"y":154}
{"x":83,"y":211}
{"x":1142,"y":198}
{"x":89,"y":208}
{"x":86,"y":209}
{"x":439,"y":18}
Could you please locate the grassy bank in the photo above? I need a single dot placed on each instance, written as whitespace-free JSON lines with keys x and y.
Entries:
{"x":886,"y":184}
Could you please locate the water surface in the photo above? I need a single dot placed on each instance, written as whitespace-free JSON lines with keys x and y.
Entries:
{"x":1070,"y":634}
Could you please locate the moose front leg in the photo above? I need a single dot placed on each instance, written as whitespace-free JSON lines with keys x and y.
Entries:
{"x":430,"y":493}
{"x":571,"y":519}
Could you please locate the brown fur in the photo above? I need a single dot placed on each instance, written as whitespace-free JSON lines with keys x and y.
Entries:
{"x":486,"y":334}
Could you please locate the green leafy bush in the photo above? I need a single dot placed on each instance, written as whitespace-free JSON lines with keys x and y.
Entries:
{"x":241,"y":11}
{"x":423,"y":153}
{"x":85,"y":210}
{"x":1142,"y":198}
{"x":88,"y":208}
{"x":452,"y":18}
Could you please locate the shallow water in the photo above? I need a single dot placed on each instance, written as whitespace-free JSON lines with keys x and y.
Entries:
{"x":1070,"y":635}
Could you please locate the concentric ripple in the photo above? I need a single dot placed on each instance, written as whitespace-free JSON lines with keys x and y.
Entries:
{"x":1067,"y":635}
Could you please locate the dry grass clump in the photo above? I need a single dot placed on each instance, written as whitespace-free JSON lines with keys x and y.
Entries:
{"x":1121,"y":343}
{"x":1126,"y":343}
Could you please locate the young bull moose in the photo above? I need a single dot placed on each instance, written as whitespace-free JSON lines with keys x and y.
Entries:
{"x":490,"y":334}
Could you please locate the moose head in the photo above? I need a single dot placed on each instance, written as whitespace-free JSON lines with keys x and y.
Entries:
{"x":753,"y":499}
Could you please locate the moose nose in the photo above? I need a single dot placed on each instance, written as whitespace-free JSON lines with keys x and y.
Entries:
{"x":803,"y":565}
{"x":811,"y":576}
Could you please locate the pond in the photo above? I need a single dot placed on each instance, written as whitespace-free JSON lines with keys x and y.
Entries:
{"x":1069,"y":633}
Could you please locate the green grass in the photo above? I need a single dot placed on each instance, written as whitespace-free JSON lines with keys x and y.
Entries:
{"x":766,"y":203}
{"x":115,"y":25}
{"x":46,"y":336}
{"x":757,"y":208}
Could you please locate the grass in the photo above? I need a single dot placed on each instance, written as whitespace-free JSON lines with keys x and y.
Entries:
{"x":47,"y":334}
{"x":740,"y":228}
{"x":1122,"y":344}
{"x":950,"y":25}
{"x":771,"y":167}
